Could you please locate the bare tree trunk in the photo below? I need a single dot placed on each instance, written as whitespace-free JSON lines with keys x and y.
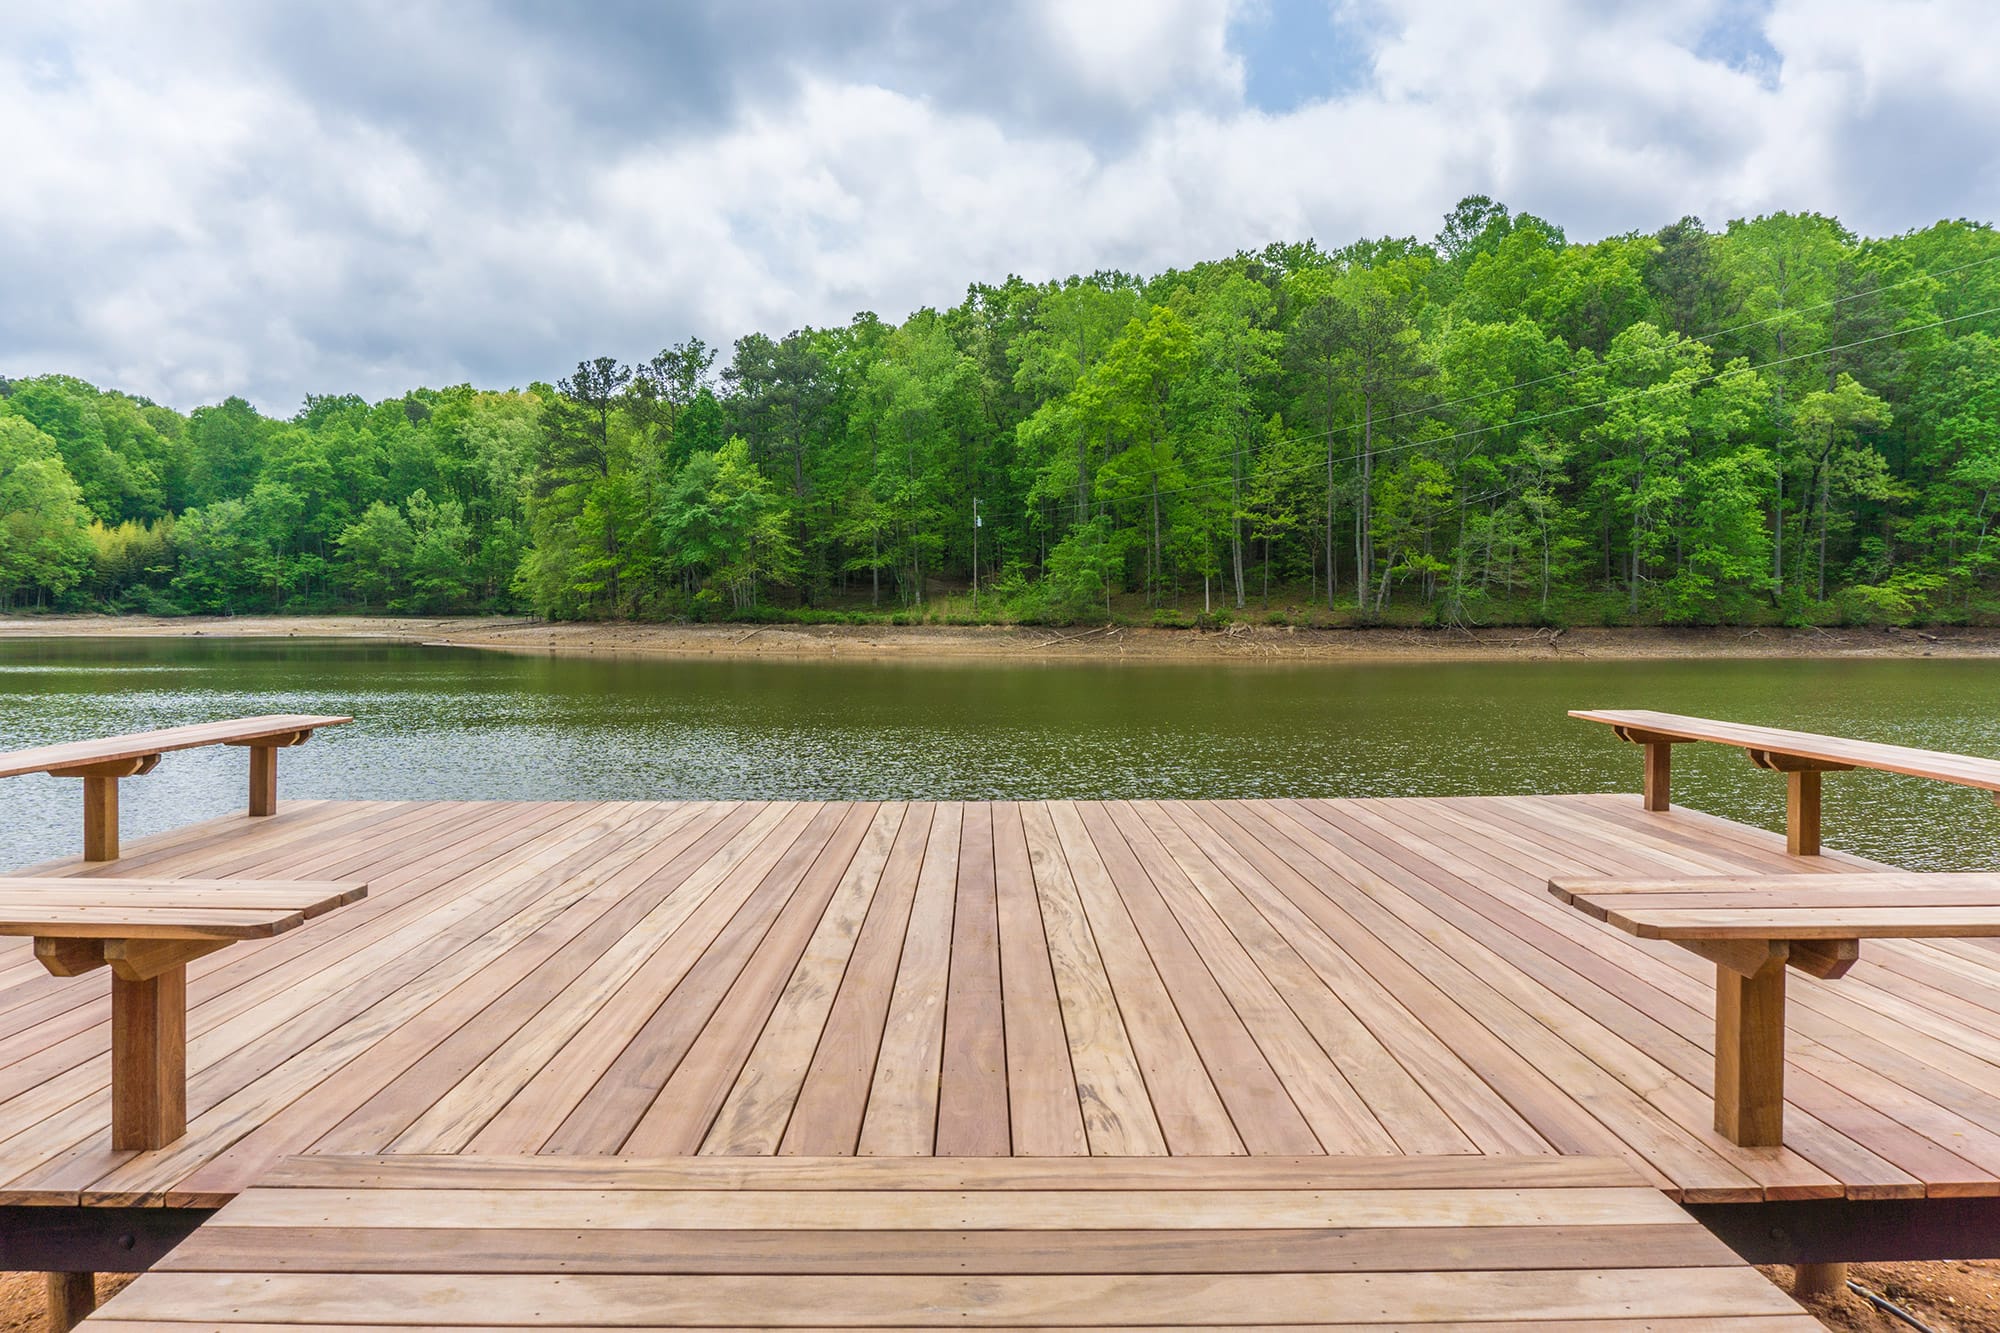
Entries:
{"x":1778,"y":512}
{"x":1329,"y":520}
{"x":1158,"y":571}
{"x":1825,"y":500}
{"x":1364,"y":537}
{"x":1236,"y":524}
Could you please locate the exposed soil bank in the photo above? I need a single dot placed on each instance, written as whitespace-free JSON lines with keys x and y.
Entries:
{"x":1245,"y":643}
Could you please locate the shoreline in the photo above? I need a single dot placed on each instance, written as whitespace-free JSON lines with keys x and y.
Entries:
{"x":1240,"y":643}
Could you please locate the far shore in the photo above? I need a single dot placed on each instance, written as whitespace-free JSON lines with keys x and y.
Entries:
{"x":1241,"y":643}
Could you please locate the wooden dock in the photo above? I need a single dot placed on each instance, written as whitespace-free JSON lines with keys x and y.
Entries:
{"x":1286,"y":978}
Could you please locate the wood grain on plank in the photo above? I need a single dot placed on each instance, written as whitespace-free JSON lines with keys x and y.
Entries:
{"x":1016,"y":1300}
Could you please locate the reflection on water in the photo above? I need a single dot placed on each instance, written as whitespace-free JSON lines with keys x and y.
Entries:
{"x":464,"y":724}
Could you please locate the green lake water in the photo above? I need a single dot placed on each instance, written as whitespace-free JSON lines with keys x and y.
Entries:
{"x":465,"y":724}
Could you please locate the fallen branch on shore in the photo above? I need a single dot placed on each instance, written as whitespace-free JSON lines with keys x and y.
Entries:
{"x":1069,"y":638}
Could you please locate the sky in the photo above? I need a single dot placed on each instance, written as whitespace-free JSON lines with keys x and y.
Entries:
{"x":332,"y":196}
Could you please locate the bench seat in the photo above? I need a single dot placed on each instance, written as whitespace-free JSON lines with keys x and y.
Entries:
{"x":1887,"y":905}
{"x":107,"y":749}
{"x":1756,"y":927}
{"x":1802,"y":756}
{"x":103,"y":761}
{"x":147,"y":931}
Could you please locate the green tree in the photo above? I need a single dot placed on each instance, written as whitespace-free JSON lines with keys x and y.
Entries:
{"x":724,"y":521}
{"x":1826,"y":425}
{"x":439,"y":558}
{"x":1360,"y":345}
{"x":375,"y":554}
{"x":45,"y":545}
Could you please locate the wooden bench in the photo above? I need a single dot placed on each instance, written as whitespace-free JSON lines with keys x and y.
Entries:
{"x":101,"y":763}
{"x":1802,"y":756}
{"x":919,"y":1242}
{"x":1753,"y":927}
{"x":147,"y":931}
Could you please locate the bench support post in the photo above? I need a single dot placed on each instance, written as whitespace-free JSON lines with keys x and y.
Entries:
{"x":1802,"y":788}
{"x":1659,"y":763}
{"x":264,"y":767}
{"x":100,"y":801}
{"x":1659,"y":774}
{"x":1802,"y":812}
{"x":1819,"y":1279}
{"x":263,"y":780}
{"x":1750,"y":1054}
{"x":100,"y":819}
{"x":71,"y":1297}
{"x":149,"y":1059}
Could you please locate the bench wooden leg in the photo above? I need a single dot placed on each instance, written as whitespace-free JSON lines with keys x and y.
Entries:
{"x":100,"y":819}
{"x":1802,"y":812}
{"x":1802,"y":786}
{"x":264,"y":767}
{"x":149,"y":1059}
{"x":71,"y":1297}
{"x":1750,"y":1055}
{"x":100,"y":800}
{"x":1659,"y":774}
{"x":263,"y":780}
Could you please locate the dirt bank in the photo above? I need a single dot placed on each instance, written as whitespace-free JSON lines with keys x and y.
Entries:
{"x":1243,"y":643}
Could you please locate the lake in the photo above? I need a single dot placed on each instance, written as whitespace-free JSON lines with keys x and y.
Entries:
{"x":468,"y":724}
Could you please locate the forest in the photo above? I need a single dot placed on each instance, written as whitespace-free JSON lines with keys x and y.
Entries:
{"x":1777,"y":422}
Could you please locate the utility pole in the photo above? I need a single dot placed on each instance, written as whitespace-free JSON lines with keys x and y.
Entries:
{"x":975,"y":555}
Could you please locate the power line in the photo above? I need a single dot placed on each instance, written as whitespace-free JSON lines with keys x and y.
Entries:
{"x":1432,"y":408}
{"x":1404,"y":447}
{"x":1694,"y":337}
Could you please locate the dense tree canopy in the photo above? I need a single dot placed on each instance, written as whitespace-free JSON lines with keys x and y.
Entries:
{"x":1779,"y":420}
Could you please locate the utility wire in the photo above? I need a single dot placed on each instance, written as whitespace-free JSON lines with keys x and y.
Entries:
{"x":1575,"y":373}
{"x":1697,"y":337}
{"x":1431,"y":408}
{"x":1393,"y":449}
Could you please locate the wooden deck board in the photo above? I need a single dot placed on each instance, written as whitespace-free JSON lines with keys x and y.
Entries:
{"x":1044,"y":979}
{"x":981,"y":1242}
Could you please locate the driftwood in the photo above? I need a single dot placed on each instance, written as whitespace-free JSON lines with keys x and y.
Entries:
{"x":1068,"y":638}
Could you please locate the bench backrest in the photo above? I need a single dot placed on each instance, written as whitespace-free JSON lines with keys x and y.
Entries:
{"x":1940,"y":765}
{"x":236,"y":731}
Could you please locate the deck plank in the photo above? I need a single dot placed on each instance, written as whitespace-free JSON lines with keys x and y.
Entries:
{"x":721,"y":870}
{"x":688,"y":1102}
{"x":1045,"y":1117}
{"x":1118,"y":1119}
{"x":900,"y":1118}
{"x":753,"y":1116}
{"x":607,"y":1115}
{"x":972,"y":1119}
{"x":833,"y":1098}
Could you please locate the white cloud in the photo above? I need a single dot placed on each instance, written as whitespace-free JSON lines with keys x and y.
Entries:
{"x":1143,"y":54}
{"x":197,"y":207}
